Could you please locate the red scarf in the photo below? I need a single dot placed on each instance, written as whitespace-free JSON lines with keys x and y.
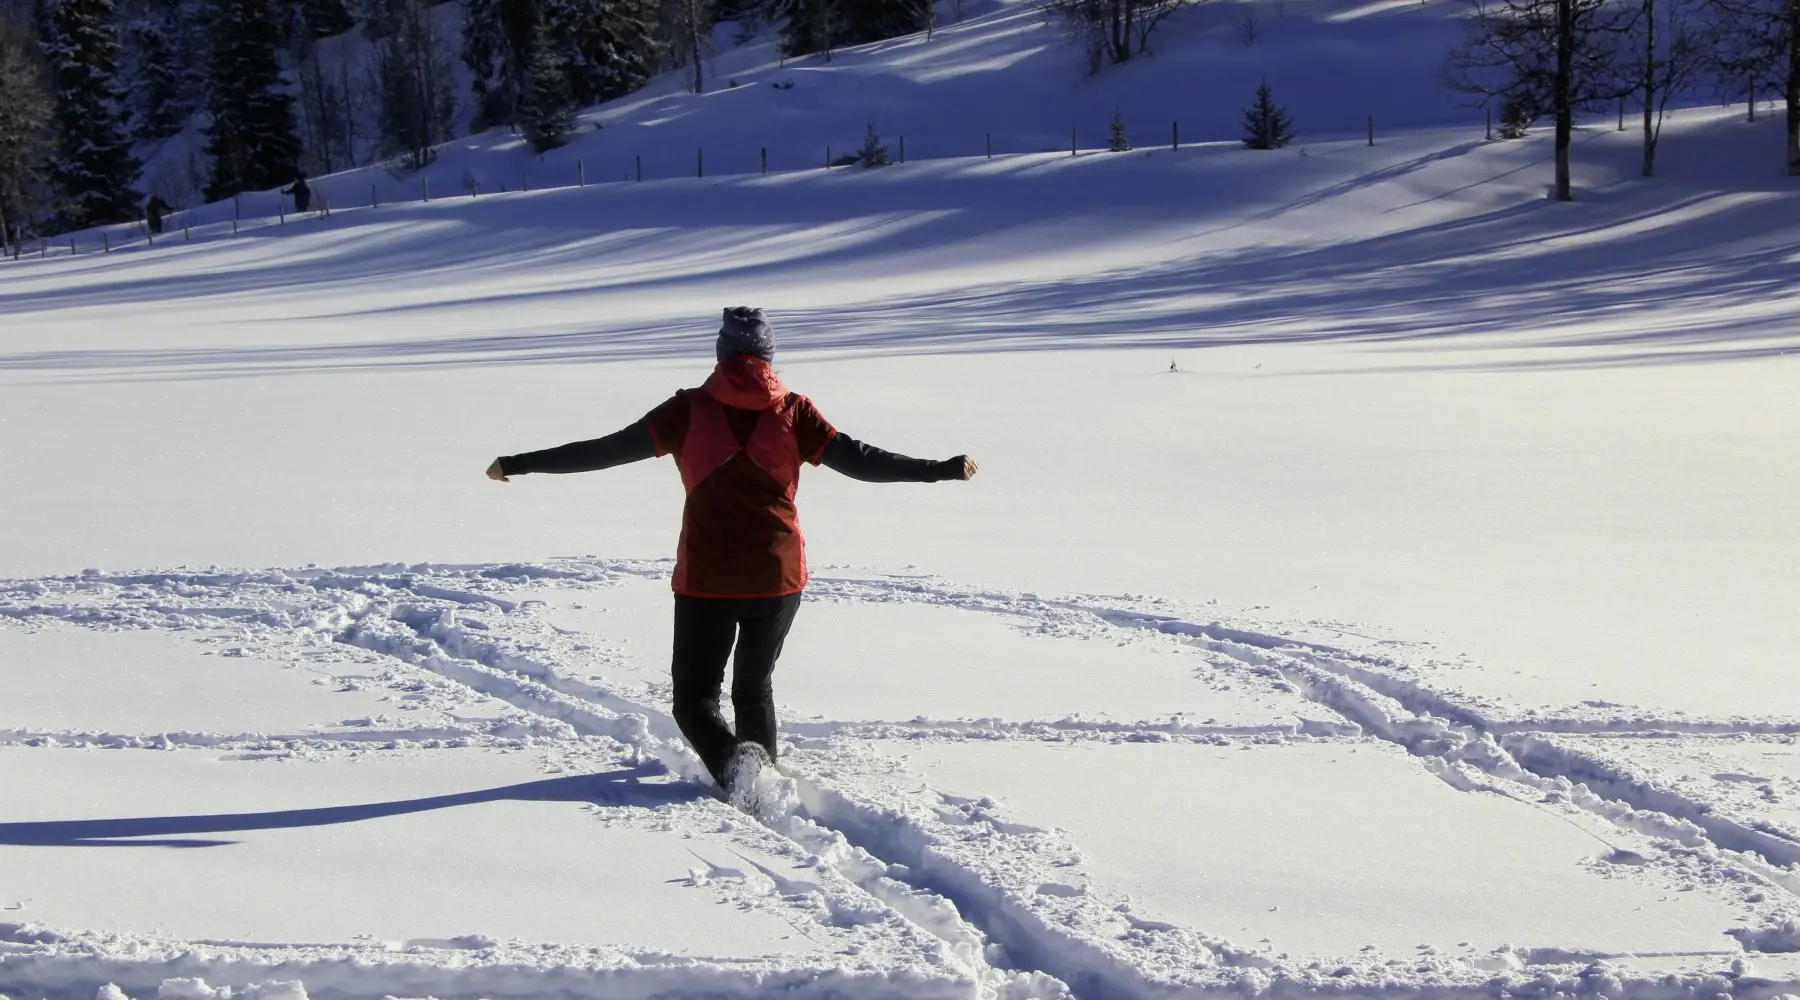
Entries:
{"x":746,"y":382}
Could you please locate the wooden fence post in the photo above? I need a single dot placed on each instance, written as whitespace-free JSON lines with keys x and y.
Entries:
{"x":105,"y":242}
{"x":903,"y":149}
{"x":281,"y":208}
{"x":425,"y":190}
{"x":71,"y":246}
{"x":1490,"y":124}
{"x":1072,"y":146}
{"x":185,"y":238}
{"x":1621,"y":113}
{"x":765,"y":159}
{"x":990,"y":145}
{"x":1753,"y":97}
{"x":374,"y":198}
{"x":699,"y":163}
{"x":474,"y":188}
{"x":640,"y":165}
{"x":1371,"y":130}
{"x":828,"y":156}
{"x":1174,"y":136}
{"x":580,"y":173}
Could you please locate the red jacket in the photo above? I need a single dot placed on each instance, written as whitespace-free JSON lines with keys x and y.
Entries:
{"x":739,"y":441}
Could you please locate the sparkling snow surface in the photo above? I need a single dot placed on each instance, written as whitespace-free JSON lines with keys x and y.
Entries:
{"x":1426,"y":633}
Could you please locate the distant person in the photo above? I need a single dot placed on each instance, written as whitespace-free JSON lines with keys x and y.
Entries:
{"x":302,"y":194}
{"x":153,"y":214}
{"x":740,"y":566}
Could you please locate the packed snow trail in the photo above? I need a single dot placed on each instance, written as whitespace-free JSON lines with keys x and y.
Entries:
{"x":1009,"y":905}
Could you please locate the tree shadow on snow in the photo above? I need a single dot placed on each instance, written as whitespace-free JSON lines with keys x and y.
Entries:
{"x":624,"y":787}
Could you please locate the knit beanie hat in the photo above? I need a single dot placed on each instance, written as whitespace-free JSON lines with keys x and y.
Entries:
{"x":746,"y":332}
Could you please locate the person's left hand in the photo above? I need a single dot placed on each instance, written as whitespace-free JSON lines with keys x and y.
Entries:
{"x":496,"y":473}
{"x":969,"y":467}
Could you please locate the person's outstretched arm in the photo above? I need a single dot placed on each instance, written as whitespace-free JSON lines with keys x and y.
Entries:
{"x":633,"y":444}
{"x":870,"y":464}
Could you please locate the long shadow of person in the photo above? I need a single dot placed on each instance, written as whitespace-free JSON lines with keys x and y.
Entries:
{"x":624,"y":787}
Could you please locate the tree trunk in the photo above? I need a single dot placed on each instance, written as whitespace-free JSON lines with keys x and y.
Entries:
{"x":1650,"y":132}
{"x":1560,"y":93}
{"x":1793,"y":88}
{"x":693,"y":28}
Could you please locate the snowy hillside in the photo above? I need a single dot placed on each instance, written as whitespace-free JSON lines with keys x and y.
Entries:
{"x":1379,"y":583}
{"x":1002,"y":79}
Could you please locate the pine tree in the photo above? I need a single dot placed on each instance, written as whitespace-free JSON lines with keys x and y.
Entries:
{"x":1518,"y":112}
{"x":811,"y":26}
{"x":93,"y":168}
{"x":325,"y":18}
{"x":600,"y":49}
{"x":547,"y":105}
{"x":874,"y":153}
{"x":159,"y":59}
{"x":1266,"y":124}
{"x":876,"y":20}
{"x":610,"y":46}
{"x":25,"y":110}
{"x":490,"y":56}
{"x":417,"y":102}
{"x":251,"y":141}
{"x":1115,"y":137}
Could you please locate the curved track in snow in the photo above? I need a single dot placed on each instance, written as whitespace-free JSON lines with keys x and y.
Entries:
{"x":906,"y":887}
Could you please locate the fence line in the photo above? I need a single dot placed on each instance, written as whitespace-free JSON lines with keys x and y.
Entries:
{"x":251,"y":211}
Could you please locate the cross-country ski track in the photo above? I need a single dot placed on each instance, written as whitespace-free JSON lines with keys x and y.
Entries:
{"x":887,"y":874}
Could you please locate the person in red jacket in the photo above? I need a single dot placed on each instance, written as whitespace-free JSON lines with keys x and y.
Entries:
{"x":740,"y":565}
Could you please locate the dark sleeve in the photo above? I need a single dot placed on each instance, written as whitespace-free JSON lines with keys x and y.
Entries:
{"x":870,"y":464}
{"x":633,"y":444}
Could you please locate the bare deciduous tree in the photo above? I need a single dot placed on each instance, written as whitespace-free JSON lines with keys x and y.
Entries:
{"x":1114,"y":31}
{"x":1755,"y":40}
{"x":1668,"y":58}
{"x":1560,"y":56}
{"x":416,"y":95}
{"x":1249,"y":25}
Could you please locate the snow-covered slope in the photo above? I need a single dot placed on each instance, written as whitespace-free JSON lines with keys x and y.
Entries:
{"x":1002,"y":79}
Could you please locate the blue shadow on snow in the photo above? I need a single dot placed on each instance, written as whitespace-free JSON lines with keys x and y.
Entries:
{"x":623,"y":787}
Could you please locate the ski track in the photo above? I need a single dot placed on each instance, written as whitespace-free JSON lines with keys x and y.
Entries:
{"x":1004,"y":901}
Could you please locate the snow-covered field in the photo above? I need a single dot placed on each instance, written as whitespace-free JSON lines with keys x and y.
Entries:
{"x":1427,"y":631}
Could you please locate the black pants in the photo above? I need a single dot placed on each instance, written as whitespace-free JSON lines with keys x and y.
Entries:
{"x":705,"y":629}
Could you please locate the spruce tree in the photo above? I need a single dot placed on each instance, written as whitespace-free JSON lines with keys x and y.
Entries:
{"x":250,"y":133}
{"x":159,"y":108}
{"x":324,"y":18}
{"x":547,"y":105}
{"x":874,"y":152}
{"x":811,"y":26}
{"x":1266,"y":124}
{"x":25,"y":110}
{"x":876,"y":20}
{"x":489,"y":53}
{"x":93,"y":169}
{"x":1116,"y":140}
{"x":610,"y":46}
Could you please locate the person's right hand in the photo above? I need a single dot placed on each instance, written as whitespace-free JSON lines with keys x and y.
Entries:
{"x":496,"y":473}
{"x":969,"y":467}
